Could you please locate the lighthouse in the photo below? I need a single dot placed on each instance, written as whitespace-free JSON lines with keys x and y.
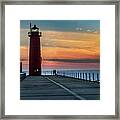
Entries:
{"x":34,"y":51}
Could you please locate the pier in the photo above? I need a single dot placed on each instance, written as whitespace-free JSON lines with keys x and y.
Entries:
{"x":58,"y":87}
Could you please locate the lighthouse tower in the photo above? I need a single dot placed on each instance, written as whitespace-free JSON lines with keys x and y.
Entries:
{"x":34,"y":51}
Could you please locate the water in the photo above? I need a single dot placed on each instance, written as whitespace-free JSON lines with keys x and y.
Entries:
{"x":83,"y":74}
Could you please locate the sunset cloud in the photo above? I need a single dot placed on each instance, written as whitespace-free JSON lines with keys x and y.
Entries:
{"x":79,"y":46}
{"x":76,"y":60}
{"x":58,"y":44}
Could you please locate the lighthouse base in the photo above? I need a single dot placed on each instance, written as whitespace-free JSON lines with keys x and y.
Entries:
{"x":36,"y":73}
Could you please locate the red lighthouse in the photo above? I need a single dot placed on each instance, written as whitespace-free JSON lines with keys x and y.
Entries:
{"x":34,"y":51}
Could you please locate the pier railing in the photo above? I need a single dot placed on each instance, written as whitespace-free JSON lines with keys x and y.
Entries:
{"x":78,"y":75}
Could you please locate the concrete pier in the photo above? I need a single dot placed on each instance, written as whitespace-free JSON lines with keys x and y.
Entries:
{"x":58,"y":88}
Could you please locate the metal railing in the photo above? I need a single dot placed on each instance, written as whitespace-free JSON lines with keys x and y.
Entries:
{"x":90,"y":76}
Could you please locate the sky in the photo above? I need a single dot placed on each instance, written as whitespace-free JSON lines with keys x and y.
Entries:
{"x":65,"y":44}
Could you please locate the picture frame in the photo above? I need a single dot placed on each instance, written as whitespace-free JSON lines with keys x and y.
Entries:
{"x":2,"y":67}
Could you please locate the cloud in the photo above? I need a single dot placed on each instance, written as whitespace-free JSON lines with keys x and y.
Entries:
{"x":68,"y":53}
{"x":88,"y":30}
{"x":84,"y":30}
{"x":88,"y":41}
{"x":24,"y":53}
{"x":69,"y":41}
{"x":24,"y":39}
{"x":64,"y":45}
{"x":75,"y":60}
{"x":79,"y":29}
{"x":71,"y":44}
{"x":23,"y":59}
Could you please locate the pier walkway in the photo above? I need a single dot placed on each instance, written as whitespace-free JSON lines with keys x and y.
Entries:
{"x":58,"y":88}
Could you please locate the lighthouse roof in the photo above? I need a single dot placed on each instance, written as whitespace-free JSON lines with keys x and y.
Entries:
{"x":35,"y":27}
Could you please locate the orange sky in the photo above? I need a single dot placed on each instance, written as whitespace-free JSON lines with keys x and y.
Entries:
{"x":64,"y":45}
